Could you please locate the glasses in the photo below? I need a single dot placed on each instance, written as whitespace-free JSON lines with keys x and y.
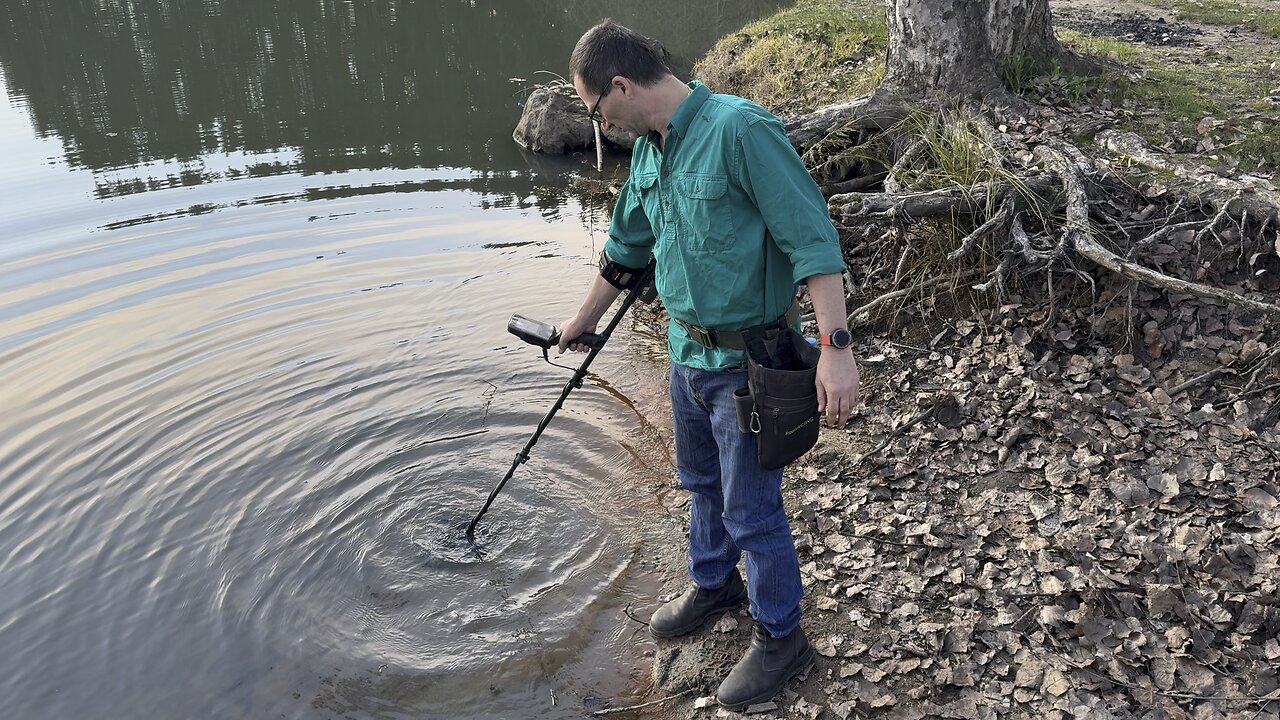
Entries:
{"x":594,"y":115}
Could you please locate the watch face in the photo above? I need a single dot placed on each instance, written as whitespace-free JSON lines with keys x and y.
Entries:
{"x":841,"y":339}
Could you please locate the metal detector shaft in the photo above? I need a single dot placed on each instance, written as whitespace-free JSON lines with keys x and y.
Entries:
{"x":574,"y":382}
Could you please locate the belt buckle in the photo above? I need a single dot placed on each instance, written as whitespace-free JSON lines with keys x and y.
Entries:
{"x":704,"y":336}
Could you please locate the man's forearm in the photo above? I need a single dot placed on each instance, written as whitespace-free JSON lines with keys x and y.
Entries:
{"x":837,"y":380}
{"x":827,"y":294}
{"x":599,"y":298}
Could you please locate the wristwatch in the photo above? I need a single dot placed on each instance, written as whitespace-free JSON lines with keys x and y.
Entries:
{"x":839,"y":339}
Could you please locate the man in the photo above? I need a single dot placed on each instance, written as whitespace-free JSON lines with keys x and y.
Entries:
{"x":734,"y":222}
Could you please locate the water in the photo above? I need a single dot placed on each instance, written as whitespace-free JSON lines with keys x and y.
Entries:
{"x":256,"y":264}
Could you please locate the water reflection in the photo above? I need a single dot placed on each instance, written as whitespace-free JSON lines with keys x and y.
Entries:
{"x":187,"y":93}
{"x":255,"y":265}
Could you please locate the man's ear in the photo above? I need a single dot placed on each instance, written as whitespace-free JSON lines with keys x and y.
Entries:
{"x":622,"y":84}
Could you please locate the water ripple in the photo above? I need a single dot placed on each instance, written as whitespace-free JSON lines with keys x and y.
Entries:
{"x":223,"y":461}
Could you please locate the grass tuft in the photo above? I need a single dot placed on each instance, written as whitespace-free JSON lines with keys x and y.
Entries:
{"x":1183,"y":101}
{"x":800,"y":58}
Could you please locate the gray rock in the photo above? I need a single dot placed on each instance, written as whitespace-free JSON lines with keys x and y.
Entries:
{"x":555,"y":122}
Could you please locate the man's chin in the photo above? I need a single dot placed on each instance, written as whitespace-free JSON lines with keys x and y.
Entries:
{"x":618,"y":127}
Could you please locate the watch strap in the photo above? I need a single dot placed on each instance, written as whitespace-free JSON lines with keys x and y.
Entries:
{"x":826,"y":340}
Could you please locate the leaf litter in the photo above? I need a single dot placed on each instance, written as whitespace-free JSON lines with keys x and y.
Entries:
{"x":1077,"y":529}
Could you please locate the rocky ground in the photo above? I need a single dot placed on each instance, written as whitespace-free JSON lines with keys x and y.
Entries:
{"x":1047,"y":507}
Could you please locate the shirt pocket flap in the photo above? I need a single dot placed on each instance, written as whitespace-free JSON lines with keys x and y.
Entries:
{"x":644,"y":181}
{"x":704,"y":187}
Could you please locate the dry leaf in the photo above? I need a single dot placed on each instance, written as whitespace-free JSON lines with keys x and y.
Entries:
{"x":1055,"y":682}
{"x":725,"y":624}
{"x":826,"y":603}
{"x":884,"y":701}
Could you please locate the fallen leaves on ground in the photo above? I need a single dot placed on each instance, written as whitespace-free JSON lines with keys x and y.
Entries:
{"x":1075,"y":541}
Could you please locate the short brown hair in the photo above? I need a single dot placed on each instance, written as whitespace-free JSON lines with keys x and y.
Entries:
{"x":609,"y":49}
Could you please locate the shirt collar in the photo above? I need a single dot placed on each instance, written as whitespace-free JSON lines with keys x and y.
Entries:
{"x":688,"y":108}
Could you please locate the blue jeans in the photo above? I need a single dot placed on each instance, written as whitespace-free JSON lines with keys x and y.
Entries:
{"x":736,"y":505}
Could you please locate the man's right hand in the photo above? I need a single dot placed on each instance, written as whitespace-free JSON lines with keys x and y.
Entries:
{"x":599,"y":298}
{"x":572,"y":328}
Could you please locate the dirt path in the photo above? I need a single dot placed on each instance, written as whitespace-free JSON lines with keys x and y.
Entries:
{"x":1158,"y":25}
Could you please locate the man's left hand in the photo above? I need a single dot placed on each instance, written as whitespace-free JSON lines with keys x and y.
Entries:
{"x":837,"y":385}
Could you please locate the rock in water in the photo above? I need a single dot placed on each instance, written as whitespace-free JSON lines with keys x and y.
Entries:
{"x":555,"y":122}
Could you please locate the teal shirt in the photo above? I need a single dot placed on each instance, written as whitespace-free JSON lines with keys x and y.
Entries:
{"x":732,"y":217}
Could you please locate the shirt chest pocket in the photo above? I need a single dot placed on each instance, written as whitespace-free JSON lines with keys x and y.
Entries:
{"x":704,"y":210}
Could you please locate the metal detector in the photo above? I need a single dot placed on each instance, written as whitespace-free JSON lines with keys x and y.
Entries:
{"x":545,"y":336}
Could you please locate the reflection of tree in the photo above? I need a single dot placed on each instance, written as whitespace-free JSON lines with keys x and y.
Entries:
{"x":347,"y":84}
{"x":350,"y":85}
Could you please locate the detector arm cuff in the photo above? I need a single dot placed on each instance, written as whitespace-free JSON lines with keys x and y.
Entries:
{"x":620,"y":276}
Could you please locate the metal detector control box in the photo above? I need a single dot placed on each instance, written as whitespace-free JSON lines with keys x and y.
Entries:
{"x":533,"y":331}
{"x":545,"y":336}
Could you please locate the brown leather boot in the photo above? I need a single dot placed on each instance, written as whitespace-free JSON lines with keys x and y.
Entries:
{"x":768,"y":664}
{"x":687,"y":613}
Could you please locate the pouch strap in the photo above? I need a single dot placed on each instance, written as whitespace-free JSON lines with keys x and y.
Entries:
{"x":711,"y":338}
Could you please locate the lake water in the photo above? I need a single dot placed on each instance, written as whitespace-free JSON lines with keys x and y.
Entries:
{"x":256,"y":263}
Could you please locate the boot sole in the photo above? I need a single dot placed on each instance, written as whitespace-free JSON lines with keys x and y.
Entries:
{"x":803,"y":663}
{"x":686,"y":629}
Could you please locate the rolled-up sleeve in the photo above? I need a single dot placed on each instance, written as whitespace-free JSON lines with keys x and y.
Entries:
{"x":631,"y":238}
{"x":793,"y":209}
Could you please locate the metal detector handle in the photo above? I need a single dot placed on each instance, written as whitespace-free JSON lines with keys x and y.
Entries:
{"x":591,"y":340}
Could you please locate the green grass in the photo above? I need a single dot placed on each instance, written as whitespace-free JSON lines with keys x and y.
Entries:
{"x":810,"y":54}
{"x":1165,"y":93}
{"x":1170,"y":91}
{"x":822,"y":51}
{"x":1229,"y":12}
{"x":1186,"y":95}
{"x":959,"y":154}
{"x":1100,"y":47}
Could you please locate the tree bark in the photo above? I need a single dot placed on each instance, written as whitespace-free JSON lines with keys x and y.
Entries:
{"x":949,"y":48}
{"x":944,"y":50}
{"x":1022,"y":29}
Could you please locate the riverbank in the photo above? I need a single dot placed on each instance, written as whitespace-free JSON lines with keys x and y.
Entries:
{"x":1050,"y":505}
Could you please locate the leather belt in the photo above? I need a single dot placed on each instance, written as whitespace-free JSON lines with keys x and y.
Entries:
{"x":712,"y":338}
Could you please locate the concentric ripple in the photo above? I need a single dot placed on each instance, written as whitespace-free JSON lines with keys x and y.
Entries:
{"x":235,"y":469}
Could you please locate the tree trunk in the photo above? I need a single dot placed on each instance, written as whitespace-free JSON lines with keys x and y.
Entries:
{"x":942,"y":50}
{"x":963,"y":47}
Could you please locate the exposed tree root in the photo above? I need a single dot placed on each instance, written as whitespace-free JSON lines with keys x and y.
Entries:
{"x":857,"y":207}
{"x":1228,"y":192}
{"x":857,"y":184}
{"x":864,"y":313}
{"x":998,"y":221}
{"x":1076,"y":206}
{"x":1069,"y":163}
{"x":869,"y":114}
{"x":1198,"y":380}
